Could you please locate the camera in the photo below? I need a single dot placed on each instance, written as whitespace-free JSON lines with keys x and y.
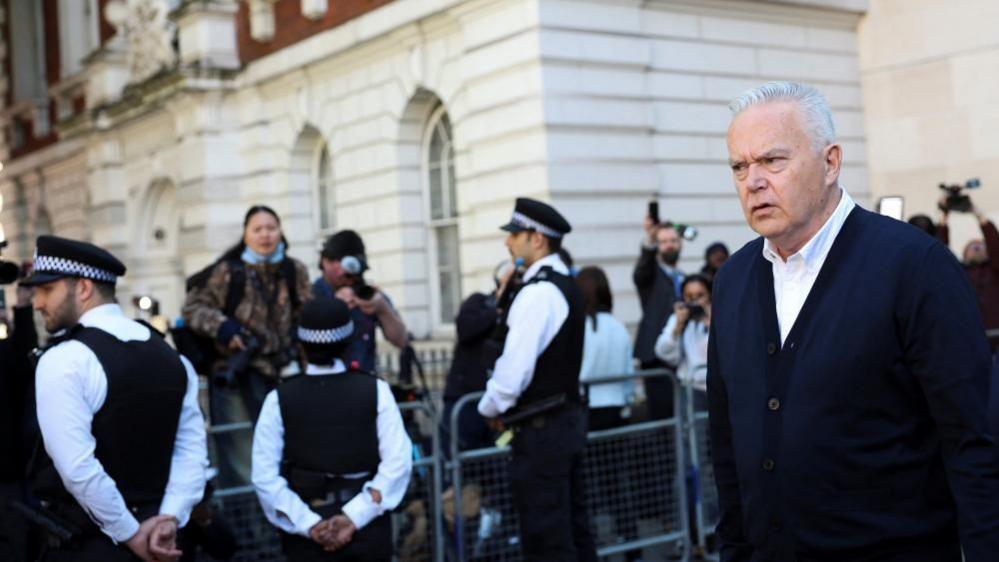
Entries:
{"x":354,"y":267}
{"x":687,"y":232}
{"x":9,"y":271}
{"x":236,"y":365}
{"x":957,"y":200}
{"x":696,"y":311}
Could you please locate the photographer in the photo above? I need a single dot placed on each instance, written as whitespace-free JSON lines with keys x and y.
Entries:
{"x":343,"y":263}
{"x":982,"y":271}
{"x":657,"y":280}
{"x":257,"y":332}
{"x":474,"y":326}
{"x":683,"y":343}
{"x":16,"y":375}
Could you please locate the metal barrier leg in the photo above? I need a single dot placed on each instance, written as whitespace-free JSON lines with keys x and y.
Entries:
{"x":681,"y":468}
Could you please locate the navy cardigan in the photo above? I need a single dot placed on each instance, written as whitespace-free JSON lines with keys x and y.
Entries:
{"x":865,"y":436}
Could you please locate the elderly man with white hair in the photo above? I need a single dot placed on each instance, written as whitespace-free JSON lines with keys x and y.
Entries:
{"x":848,"y":371}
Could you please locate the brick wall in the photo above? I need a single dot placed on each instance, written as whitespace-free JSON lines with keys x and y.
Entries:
{"x":291,"y":26}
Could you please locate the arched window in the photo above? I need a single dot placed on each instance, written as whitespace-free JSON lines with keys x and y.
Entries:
{"x":324,"y":188}
{"x":442,"y":214}
{"x":310,"y":173}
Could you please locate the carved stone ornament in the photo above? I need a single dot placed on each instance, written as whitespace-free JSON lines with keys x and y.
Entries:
{"x":147,"y":34}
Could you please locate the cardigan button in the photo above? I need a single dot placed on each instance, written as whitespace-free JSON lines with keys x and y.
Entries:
{"x":771,"y":348}
{"x":773,"y":404}
{"x":768,"y":464}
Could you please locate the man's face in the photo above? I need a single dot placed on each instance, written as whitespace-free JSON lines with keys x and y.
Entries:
{"x":333,"y":273}
{"x":57,"y":303}
{"x":975,"y":253}
{"x":670,"y":244}
{"x":785,"y":185}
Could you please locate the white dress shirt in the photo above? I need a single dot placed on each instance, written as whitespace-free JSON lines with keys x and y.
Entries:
{"x":536,"y":316}
{"x":793,"y":279}
{"x":285,"y":509}
{"x":70,"y":387}
{"x":688,"y":353}
{"x":606,"y":353}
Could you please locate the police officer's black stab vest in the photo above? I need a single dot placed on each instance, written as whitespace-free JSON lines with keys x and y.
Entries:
{"x":557,"y":368}
{"x":330,"y":423}
{"x":136,"y":427}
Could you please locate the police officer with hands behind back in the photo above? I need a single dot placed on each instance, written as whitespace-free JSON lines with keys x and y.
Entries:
{"x":118,"y":416}
{"x":330,"y":453}
{"x":534,"y":389}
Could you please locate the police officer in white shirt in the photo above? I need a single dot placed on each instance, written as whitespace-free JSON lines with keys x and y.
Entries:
{"x":331,"y":456}
{"x":118,"y":416}
{"x":535,"y":388}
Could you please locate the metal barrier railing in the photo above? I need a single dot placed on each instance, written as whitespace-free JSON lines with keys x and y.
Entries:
{"x":418,"y":532}
{"x":419,"y":535}
{"x":635,"y":478}
{"x":707,"y":512}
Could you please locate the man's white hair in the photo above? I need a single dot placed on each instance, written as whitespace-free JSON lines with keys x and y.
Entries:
{"x":813,"y":105}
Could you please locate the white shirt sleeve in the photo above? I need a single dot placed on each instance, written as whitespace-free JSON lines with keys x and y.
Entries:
{"x":186,"y":486}
{"x":586,"y":369}
{"x":396,"y":464}
{"x":669,"y":348}
{"x":535,"y":318}
{"x":282,"y":506}
{"x":70,"y":385}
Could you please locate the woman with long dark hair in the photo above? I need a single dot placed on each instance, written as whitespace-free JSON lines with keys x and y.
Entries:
{"x":247,"y":304}
{"x":606,"y":352}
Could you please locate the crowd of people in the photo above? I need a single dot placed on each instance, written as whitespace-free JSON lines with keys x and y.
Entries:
{"x":823,"y":417}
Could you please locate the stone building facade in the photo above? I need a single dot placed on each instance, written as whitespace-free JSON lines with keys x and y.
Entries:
{"x":930,"y":75}
{"x":415,"y":122}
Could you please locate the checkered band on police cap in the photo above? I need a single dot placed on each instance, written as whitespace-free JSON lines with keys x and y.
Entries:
{"x":332,"y":335}
{"x":71,"y":268}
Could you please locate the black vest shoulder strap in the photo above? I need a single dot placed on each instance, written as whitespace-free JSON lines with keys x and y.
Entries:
{"x":237,"y":286}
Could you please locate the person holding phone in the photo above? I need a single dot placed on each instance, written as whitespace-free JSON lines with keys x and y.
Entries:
{"x":657,"y":280}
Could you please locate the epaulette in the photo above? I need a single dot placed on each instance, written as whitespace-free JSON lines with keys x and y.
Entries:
{"x":355,"y":367}
{"x":54,"y":340}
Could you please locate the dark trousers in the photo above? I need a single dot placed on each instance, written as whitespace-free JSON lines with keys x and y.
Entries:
{"x":473,"y":433}
{"x":233,"y":405}
{"x":373,"y":543}
{"x":92,"y":548}
{"x":13,"y":527}
{"x":658,"y":392}
{"x":546,"y":481}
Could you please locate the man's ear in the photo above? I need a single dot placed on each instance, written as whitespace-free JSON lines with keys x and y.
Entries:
{"x":834,"y":161}
{"x":83,"y":289}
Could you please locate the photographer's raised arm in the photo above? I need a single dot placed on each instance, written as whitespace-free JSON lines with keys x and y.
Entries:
{"x":991,"y":236}
{"x":393,"y":328}
{"x":645,"y":269}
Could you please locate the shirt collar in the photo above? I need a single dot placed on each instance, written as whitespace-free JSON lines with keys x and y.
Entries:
{"x":98,"y":313}
{"x":552,"y":260}
{"x":336,"y":367}
{"x":814,"y":252}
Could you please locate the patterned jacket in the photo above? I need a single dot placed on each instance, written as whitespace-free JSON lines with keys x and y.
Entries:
{"x":271,"y":324}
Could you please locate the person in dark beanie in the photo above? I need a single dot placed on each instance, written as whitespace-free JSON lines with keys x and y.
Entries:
{"x":343,"y":263}
{"x":714,"y":257}
{"x":331,"y":456}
